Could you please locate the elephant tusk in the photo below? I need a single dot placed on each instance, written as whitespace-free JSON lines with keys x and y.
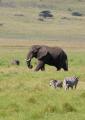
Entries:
{"x":28,"y":60}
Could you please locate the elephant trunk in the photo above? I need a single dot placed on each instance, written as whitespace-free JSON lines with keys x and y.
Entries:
{"x":28,"y":60}
{"x":29,"y":63}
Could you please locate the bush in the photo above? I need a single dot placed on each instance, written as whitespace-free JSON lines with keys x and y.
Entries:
{"x":77,"y":14}
{"x":46,"y":14}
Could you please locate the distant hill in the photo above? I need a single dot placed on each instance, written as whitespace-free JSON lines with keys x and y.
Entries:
{"x":19,"y":19}
{"x":51,"y":4}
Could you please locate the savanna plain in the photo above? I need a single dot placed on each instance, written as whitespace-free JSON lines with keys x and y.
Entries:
{"x":25,"y":94}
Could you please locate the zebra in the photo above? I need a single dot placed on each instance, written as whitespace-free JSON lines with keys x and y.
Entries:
{"x":70,"y":82}
{"x":56,"y":84}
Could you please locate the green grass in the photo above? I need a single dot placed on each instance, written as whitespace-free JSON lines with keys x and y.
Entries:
{"x":25,"y":94}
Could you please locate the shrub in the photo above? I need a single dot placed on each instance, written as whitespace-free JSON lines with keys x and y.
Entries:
{"x":77,"y":14}
{"x":46,"y":14}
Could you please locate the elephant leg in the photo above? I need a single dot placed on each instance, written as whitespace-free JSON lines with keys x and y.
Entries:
{"x":58,"y":68}
{"x":43,"y":68}
{"x":40,"y":66}
{"x":65,"y":67}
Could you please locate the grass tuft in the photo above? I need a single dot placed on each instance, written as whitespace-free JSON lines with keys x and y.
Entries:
{"x":67,"y":107}
{"x":32,"y":100}
{"x":50,"y":108}
{"x":82,"y":95}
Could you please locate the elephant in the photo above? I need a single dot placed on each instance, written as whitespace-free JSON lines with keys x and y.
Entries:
{"x":53,"y":56}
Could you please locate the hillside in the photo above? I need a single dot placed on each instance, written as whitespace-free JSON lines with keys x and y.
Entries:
{"x":19,"y":19}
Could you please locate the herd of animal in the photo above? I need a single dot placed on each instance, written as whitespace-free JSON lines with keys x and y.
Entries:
{"x":68,"y":82}
{"x":53,"y":56}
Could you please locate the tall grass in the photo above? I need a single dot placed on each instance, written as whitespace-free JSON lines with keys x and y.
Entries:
{"x":25,"y":94}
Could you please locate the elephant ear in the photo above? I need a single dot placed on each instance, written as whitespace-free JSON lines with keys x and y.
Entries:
{"x":42,"y":52}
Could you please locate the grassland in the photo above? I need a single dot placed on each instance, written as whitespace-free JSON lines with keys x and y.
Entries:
{"x":25,"y":94}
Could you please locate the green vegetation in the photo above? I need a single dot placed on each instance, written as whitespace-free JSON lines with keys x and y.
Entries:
{"x":25,"y":94}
